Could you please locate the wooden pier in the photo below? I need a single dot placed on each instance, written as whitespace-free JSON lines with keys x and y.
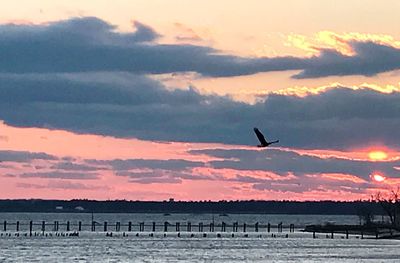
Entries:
{"x":43,"y":227}
{"x":372,"y":231}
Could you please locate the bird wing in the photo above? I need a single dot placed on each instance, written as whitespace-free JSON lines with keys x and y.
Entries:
{"x":260,"y":136}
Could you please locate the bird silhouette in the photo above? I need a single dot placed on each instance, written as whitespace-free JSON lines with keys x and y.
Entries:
{"x":261,"y":138}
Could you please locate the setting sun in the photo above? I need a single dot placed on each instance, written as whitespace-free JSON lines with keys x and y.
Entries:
{"x":378,"y":177}
{"x":377,"y":155}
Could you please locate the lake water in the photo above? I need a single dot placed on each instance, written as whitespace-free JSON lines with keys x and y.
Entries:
{"x":256,"y":247}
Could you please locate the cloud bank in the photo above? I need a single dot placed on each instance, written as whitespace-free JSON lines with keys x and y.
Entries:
{"x":127,"y":105}
{"x":89,"y":44}
{"x":84,"y":76}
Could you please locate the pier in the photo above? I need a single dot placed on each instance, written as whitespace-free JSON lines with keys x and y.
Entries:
{"x":68,"y":228}
{"x":190,"y":229}
{"x":373,"y":231}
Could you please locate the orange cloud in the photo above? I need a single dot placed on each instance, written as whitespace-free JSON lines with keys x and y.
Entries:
{"x":303,"y":91}
{"x":339,"y":42}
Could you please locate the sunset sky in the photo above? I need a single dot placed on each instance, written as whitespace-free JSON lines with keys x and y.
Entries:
{"x":151,"y":100}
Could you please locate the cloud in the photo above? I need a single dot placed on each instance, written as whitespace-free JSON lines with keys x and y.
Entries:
{"x":288,"y":171}
{"x":153,"y":177}
{"x":24,"y":157}
{"x":129,"y":105}
{"x":89,"y":44}
{"x":71,"y":166}
{"x":284,"y":162}
{"x":148,"y":171}
{"x":61,"y":175}
{"x":28,"y":185}
{"x":186,"y":34}
{"x":370,"y":59}
{"x":61,"y":185}
{"x":129,"y":164}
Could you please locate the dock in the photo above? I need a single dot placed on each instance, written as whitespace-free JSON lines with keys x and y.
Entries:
{"x":68,"y":228}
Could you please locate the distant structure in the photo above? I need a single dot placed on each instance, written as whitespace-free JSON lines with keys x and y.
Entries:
{"x":261,"y":138}
{"x":79,"y":208}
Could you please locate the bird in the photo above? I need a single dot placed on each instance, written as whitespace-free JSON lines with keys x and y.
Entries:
{"x":261,"y":138}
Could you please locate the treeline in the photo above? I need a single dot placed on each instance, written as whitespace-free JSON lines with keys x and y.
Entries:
{"x":123,"y":206}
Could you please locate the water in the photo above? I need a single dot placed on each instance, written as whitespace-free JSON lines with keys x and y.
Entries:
{"x":96,"y":247}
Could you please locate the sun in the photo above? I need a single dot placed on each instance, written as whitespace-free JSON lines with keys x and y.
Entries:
{"x":378,"y":177}
{"x":377,"y":155}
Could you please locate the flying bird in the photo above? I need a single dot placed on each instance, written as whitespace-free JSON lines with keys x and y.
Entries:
{"x":261,"y":138}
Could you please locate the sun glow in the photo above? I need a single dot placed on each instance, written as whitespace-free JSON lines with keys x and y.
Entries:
{"x":377,"y":155}
{"x":378,"y":177}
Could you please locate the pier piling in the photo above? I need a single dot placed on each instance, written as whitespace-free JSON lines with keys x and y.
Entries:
{"x":30,"y":228}
{"x":280,"y":227}
{"x":211,"y":227}
{"x":201,"y":227}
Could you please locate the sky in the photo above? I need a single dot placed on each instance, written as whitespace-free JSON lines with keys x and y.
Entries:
{"x":151,"y":100}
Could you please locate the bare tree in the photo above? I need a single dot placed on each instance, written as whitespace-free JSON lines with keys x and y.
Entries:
{"x":390,"y":203}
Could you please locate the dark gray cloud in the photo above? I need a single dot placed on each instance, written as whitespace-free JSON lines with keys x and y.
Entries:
{"x":129,"y":164}
{"x":155,"y":180}
{"x":311,"y":184}
{"x":61,"y":185}
{"x":90,"y":44}
{"x":301,"y":184}
{"x":148,"y":171}
{"x":61,"y":175}
{"x":29,"y":185}
{"x":284,"y":162}
{"x":72,"y":166}
{"x":128,"y":105}
{"x":369,"y":59}
{"x":24,"y":157}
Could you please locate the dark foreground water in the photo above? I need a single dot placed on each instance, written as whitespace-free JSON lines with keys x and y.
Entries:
{"x":256,"y":247}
